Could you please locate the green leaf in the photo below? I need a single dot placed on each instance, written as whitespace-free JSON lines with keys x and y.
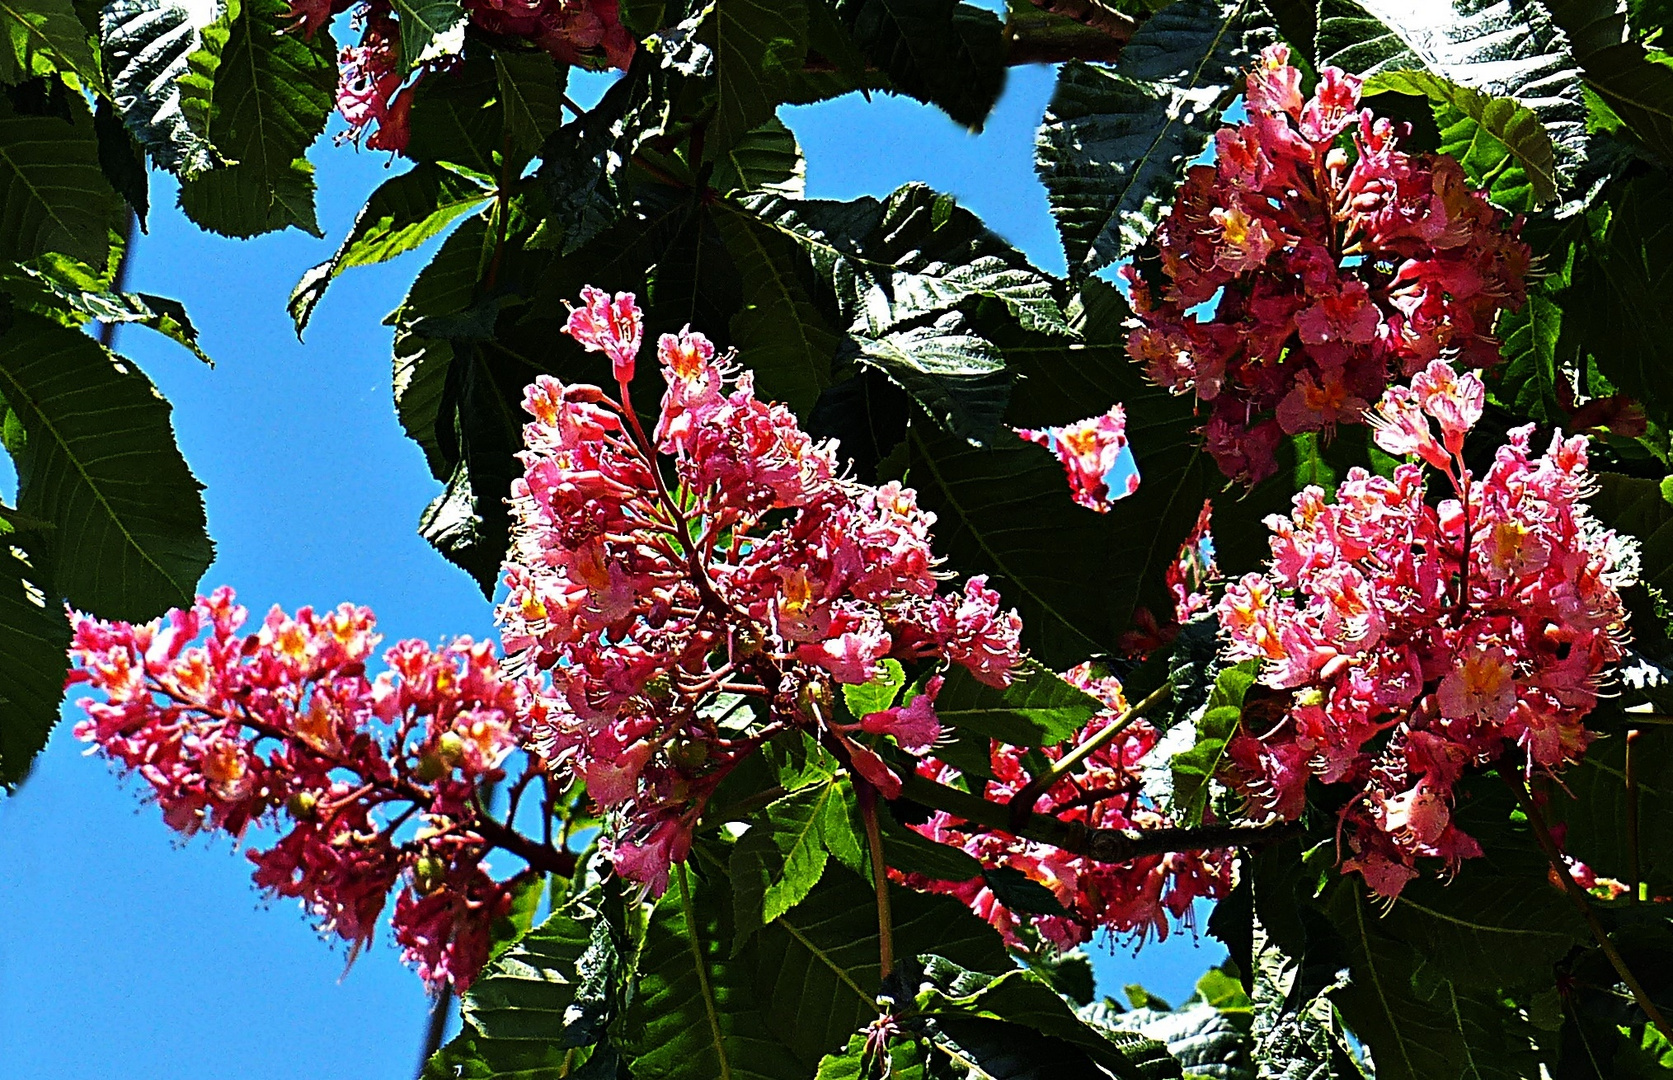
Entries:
{"x":1486,"y":931}
{"x":101,"y":465}
{"x":53,"y":194}
{"x":266,"y":102}
{"x":147,"y":46}
{"x":766,"y":159}
{"x":444,"y":287}
{"x":815,"y":973}
{"x":547,"y":995}
{"x":1528,"y":380}
{"x":1501,"y":144}
{"x":951,"y":370}
{"x":1037,"y":709}
{"x":779,"y":333}
{"x":876,"y":695}
{"x":1116,"y":139}
{"x":34,"y":640}
{"x":404,"y":213}
{"x":1502,"y":48}
{"x":911,"y":852}
{"x":1022,"y":998}
{"x":458,"y":120}
{"x":531,"y":87}
{"x":942,"y":52}
{"x":756,"y":43}
{"x":1205,"y":1041}
{"x":783,"y":855}
{"x":1637,"y":86}
{"x":57,"y":289}
{"x":1194,"y":768}
{"x":43,"y":37}
{"x":1413,"y":1034}
{"x":1595,"y":808}
{"x":430,"y":29}
{"x":697,"y":1015}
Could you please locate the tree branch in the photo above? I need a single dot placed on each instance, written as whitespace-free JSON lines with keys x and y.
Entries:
{"x":1101,"y":845}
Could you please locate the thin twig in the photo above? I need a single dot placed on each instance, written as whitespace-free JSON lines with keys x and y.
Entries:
{"x":1554,"y":856}
{"x":1634,"y":868}
{"x":1022,"y":803}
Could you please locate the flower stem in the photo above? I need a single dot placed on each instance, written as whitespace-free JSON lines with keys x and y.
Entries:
{"x":866,"y":795}
{"x":1634,"y":867}
{"x":1554,"y":856}
{"x":1021,"y":804}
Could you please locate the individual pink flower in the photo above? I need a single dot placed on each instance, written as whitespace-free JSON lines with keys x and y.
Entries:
{"x":1094,"y":453}
{"x":614,"y":327}
{"x":914,"y":725}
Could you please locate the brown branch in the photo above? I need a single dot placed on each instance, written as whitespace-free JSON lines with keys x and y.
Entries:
{"x":1554,"y":855}
{"x":1101,"y":845}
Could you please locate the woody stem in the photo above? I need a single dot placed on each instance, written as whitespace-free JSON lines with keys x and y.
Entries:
{"x":1554,"y":856}
{"x":866,"y":796}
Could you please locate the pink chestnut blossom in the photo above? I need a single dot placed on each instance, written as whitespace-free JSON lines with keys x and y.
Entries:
{"x":1092,"y":451}
{"x":613,"y":327}
{"x":1418,"y":641}
{"x":1324,"y":274}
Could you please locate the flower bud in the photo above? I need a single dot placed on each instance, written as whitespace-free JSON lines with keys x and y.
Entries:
{"x":431,"y":768}
{"x":428,"y":874}
{"x":301,"y":805}
{"x":659,"y":689}
{"x":689,"y":756}
{"x":450,"y":748}
{"x":815,"y":700}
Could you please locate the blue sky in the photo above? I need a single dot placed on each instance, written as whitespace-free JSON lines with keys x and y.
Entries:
{"x":127,"y":953}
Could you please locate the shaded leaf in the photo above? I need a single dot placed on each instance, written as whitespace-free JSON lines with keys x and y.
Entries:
{"x":429,"y":29}
{"x":1215,"y":725}
{"x":756,"y":43}
{"x":530,"y":89}
{"x":1636,"y":86}
{"x":101,"y":465}
{"x":1116,"y":139}
{"x":34,"y":643}
{"x":942,"y":52}
{"x":268,"y":100}
{"x":404,"y":212}
{"x":53,"y":194}
{"x":43,"y":37}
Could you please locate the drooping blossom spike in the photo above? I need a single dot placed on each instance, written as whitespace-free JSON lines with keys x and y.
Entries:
{"x":757,"y":573}
{"x":1295,"y":279}
{"x":1413,"y":642}
{"x":283,"y":728}
{"x":614,"y":327}
{"x":1149,"y":895}
{"x":1095,"y":457}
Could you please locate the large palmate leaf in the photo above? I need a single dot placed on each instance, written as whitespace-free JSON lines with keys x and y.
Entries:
{"x":903,"y":275}
{"x":1636,"y":85}
{"x":529,"y":1011}
{"x":697,"y":1015}
{"x":1501,"y":144}
{"x":815,"y":970}
{"x":1487,"y":931}
{"x":939,"y":51}
{"x":34,"y":637}
{"x":756,"y":44}
{"x":100,"y":465}
{"x":1620,"y":304}
{"x":265,"y":101}
{"x":1079,"y":577}
{"x":1116,"y":139}
{"x":779,"y":334}
{"x":53,"y":195}
{"x":45,"y":36}
{"x":1595,"y":808}
{"x":402,"y":214}
{"x":1503,"y":48}
{"x":146,"y":45}
{"x":783,"y":855}
{"x":1416,"y":1024}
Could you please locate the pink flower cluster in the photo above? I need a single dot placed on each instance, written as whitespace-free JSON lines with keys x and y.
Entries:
{"x":1413,"y":643}
{"x":694,"y":592}
{"x":1094,"y":453}
{"x":371,"y":90}
{"x":282,"y":729}
{"x":1135,"y":898}
{"x":1295,"y":282}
